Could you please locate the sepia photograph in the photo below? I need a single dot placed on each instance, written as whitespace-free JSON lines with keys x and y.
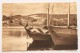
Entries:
{"x":39,"y":26}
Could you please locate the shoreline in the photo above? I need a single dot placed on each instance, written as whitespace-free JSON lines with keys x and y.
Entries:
{"x":12,"y":27}
{"x":35,"y":26}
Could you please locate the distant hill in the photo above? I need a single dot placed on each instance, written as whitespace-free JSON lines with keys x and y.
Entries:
{"x":59,"y":19}
{"x":54,"y":15}
{"x":56,"y":19}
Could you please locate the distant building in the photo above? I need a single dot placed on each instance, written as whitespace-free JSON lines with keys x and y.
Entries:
{"x":5,"y":22}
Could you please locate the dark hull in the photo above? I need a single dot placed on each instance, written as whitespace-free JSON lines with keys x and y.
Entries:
{"x":40,"y":45}
{"x":59,"y":39}
{"x":64,"y":38}
{"x":39,"y":36}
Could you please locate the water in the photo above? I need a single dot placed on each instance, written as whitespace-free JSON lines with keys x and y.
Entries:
{"x":15,"y":39}
{"x":18,"y":32}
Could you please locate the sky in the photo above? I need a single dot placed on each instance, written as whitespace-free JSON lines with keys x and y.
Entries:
{"x":33,"y":8}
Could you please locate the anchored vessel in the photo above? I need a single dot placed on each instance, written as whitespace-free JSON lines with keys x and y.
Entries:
{"x":56,"y":38}
{"x":63,"y":38}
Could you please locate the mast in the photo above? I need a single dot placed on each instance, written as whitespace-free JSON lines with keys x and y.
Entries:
{"x":68,"y":24}
{"x":51,"y":24}
{"x":48,"y":15}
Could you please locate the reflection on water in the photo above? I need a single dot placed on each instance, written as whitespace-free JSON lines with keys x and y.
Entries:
{"x":14,"y":39}
{"x":14,"y":32}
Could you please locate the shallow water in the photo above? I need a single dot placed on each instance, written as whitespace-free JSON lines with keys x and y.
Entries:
{"x":15,"y":39}
{"x":14,"y":32}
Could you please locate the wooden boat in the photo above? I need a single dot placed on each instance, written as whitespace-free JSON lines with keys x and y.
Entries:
{"x":60,"y":38}
{"x":37,"y":36}
{"x":63,"y":38}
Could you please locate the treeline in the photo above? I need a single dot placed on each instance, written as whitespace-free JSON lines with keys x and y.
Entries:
{"x":16,"y":20}
{"x":55,"y":19}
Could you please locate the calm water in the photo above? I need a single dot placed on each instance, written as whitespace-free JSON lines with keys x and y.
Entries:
{"x":17,"y":32}
{"x":14,"y":39}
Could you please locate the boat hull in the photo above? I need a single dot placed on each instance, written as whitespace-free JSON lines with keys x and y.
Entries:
{"x":39,"y":36}
{"x":64,"y":38}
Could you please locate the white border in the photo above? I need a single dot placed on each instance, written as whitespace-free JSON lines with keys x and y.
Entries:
{"x":29,"y":1}
{"x":41,"y":1}
{"x":0,"y":26}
